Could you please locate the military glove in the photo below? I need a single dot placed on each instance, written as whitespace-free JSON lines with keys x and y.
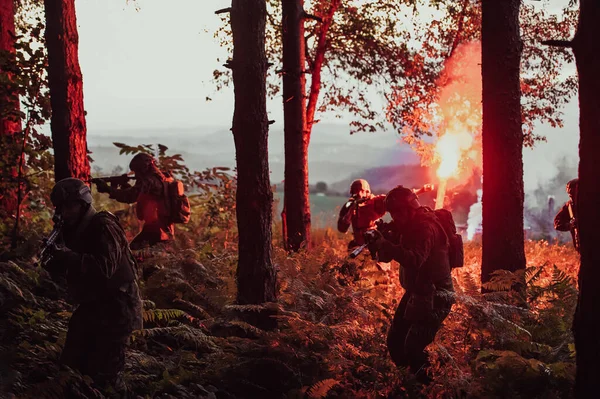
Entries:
{"x":102,"y":186}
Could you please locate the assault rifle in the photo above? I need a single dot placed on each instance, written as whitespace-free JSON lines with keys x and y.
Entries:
{"x":575,"y":227}
{"x":118,"y":181}
{"x":369,"y":234}
{"x":45,"y":254}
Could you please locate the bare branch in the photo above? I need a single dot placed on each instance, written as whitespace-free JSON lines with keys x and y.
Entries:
{"x":306,"y":15}
{"x":271,"y":121}
{"x":559,"y":43}
{"x":223,"y":10}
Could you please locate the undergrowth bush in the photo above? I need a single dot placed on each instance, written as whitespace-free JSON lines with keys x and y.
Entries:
{"x":333,"y":314}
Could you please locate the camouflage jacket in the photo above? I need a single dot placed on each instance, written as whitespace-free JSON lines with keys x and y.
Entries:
{"x":101,"y":272}
{"x":151,"y":206}
{"x":421,"y":248}
{"x":362,"y":216}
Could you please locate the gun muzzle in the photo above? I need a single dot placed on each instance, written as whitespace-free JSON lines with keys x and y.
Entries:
{"x":357,"y":251}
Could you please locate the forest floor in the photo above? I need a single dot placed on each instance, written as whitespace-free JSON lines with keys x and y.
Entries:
{"x":332,"y":318}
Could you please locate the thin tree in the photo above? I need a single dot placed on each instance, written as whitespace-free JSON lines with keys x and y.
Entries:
{"x":66,"y":91}
{"x":254,"y":198}
{"x":586,"y":325}
{"x":296,"y":208}
{"x":502,"y":139}
{"x":10,"y":123}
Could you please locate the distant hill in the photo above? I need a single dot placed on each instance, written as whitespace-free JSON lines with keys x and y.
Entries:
{"x":334,"y":154}
{"x":384,"y":178}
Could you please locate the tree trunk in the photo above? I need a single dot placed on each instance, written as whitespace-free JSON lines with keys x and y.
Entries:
{"x":66,"y":91}
{"x":254,"y":198}
{"x":586,"y":327}
{"x":317,"y":66}
{"x":10,"y":123}
{"x":503,"y":238}
{"x":296,"y":214}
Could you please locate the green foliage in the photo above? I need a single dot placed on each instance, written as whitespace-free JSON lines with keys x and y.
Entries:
{"x":396,"y":50}
{"x":333,"y":315}
{"x":25,"y":162}
{"x":153,"y":315}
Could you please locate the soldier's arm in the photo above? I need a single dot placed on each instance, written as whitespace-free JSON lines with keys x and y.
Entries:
{"x":345,"y":218}
{"x":562,"y":219}
{"x":85,"y":271}
{"x":126,"y":195}
{"x":410,"y":258}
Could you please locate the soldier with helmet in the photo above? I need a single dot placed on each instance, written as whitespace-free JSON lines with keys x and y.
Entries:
{"x":94,"y":257}
{"x":361,"y":211}
{"x":566,"y":218}
{"x":418,"y":242}
{"x":149,"y":194}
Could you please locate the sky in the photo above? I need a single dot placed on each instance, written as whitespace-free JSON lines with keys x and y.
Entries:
{"x":149,"y":64}
{"x":152,"y":65}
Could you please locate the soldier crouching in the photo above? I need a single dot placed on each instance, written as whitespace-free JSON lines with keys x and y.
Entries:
{"x":101,"y":276}
{"x":420,"y":245}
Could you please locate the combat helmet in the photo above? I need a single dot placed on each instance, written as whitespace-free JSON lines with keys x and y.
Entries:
{"x":358,"y":185}
{"x":70,"y":189}
{"x":142,"y":162}
{"x":400,"y":197}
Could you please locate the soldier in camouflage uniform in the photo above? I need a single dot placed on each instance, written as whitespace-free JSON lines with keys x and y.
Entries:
{"x":566,"y":218}
{"x":101,"y":275}
{"x":361,"y":211}
{"x":149,"y":194}
{"x":416,"y":240}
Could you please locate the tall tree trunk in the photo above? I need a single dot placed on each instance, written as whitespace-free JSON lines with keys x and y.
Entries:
{"x":296,"y":206}
{"x":503,"y":238}
{"x":66,"y":91}
{"x":10,"y":123}
{"x":254,"y":198}
{"x":317,"y":65}
{"x":587,"y":320}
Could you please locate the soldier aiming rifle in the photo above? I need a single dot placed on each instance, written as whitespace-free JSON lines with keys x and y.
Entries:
{"x":160,"y":200}
{"x":89,"y":250}
{"x":383,"y":227}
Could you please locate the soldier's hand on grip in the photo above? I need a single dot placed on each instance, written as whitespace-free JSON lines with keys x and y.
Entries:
{"x":102,"y":186}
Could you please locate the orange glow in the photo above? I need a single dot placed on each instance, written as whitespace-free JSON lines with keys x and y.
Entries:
{"x":450,"y":149}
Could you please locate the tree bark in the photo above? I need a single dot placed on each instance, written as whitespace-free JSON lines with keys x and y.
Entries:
{"x":10,"y":123}
{"x":586,"y":326}
{"x":317,"y":66}
{"x":66,"y":91}
{"x":254,"y":198}
{"x":296,"y":213}
{"x":503,"y":197}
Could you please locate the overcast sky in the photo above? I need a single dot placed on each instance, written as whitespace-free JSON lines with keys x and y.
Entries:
{"x":151,"y":66}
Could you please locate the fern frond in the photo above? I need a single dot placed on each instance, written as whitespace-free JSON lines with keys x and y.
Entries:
{"x":321,"y":388}
{"x":11,"y":286}
{"x":186,"y":335}
{"x":533,"y":274}
{"x":148,"y":304}
{"x":153,"y":315}
{"x":246,"y":308}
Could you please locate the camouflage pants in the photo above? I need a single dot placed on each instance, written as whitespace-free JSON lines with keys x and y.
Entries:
{"x":94,"y":351}
{"x":407,"y":339}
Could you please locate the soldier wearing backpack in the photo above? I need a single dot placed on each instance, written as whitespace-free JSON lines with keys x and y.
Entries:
{"x":418,"y":240}
{"x":159,"y":199}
